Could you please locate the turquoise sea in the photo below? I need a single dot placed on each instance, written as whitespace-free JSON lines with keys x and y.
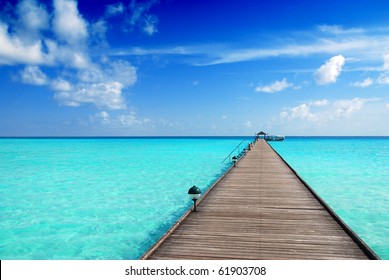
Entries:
{"x":352,"y":175}
{"x":103,"y":198}
{"x":112,"y":198}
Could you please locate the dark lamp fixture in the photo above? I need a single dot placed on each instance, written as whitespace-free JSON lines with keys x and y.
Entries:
{"x":194,"y":193}
{"x":234,"y":159}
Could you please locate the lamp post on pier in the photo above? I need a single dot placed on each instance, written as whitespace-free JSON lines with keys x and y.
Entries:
{"x":234,"y":160}
{"x":194,"y":193}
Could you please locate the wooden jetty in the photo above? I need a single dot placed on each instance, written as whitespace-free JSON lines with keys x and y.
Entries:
{"x":260,"y":209}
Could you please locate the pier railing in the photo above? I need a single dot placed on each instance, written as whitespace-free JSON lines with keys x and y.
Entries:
{"x":237,"y":147}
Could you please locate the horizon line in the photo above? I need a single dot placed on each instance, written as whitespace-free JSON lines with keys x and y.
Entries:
{"x":185,"y":136}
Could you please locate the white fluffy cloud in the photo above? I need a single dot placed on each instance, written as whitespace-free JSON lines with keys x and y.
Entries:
{"x":103,"y":95}
{"x":67,"y":56}
{"x":32,"y":17}
{"x":329,"y":72}
{"x":60,"y":84}
{"x":14,"y":50}
{"x":23,"y":43}
{"x":122,"y":72}
{"x":347,"y":107}
{"x":102,"y":86}
{"x":68,"y":23}
{"x":365,"y":83}
{"x":301,"y":111}
{"x":323,"y":110}
{"x":274,"y":87}
{"x":65,"y":45}
{"x":33,"y":75}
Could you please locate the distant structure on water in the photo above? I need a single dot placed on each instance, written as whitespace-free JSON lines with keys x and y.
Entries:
{"x":264,"y":135}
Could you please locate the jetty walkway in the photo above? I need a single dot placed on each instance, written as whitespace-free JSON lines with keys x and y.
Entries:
{"x":260,"y":210}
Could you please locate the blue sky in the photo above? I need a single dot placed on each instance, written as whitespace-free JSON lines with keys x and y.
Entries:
{"x":157,"y":68}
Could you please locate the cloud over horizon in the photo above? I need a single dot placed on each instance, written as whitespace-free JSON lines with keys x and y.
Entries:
{"x":324,"y":110}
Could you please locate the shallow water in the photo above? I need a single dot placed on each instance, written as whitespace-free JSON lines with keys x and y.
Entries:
{"x":112,"y":198}
{"x":99,"y":198}
{"x":352,"y":175}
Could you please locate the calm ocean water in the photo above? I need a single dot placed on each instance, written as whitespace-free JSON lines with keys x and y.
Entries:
{"x":352,"y":175}
{"x":113,"y":198}
{"x":99,"y":198}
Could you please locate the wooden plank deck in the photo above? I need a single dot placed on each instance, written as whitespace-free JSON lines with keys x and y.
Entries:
{"x":259,"y":210}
